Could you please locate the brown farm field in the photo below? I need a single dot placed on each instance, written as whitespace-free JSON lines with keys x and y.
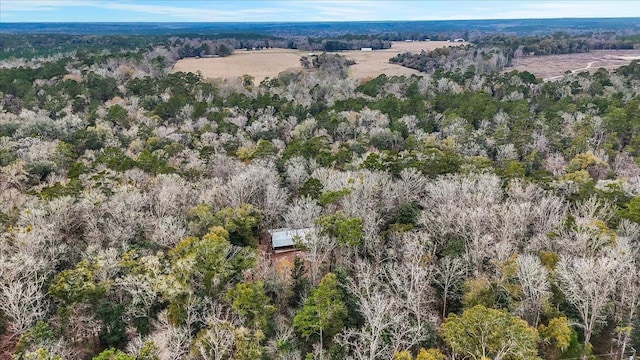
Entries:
{"x":270,"y":62}
{"x":259,"y":63}
{"x":552,"y":67}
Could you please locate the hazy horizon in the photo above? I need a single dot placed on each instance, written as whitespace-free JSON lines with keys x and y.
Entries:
{"x":155,"y":11}
{"x":304,"y":21}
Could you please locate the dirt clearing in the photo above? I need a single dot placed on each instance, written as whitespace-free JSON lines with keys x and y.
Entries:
{"x":552,"y":67}
{"x":270,"y":62}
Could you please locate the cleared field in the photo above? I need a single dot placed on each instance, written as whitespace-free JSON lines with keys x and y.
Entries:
{"x":553,"y":67}
{"x":260,"y":64}
{"x":270,"y":62}
{"x":374,"y":63}
{"x":417,"y":46}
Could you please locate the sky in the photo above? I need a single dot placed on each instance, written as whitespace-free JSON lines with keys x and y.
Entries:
{"x":303,"y":10}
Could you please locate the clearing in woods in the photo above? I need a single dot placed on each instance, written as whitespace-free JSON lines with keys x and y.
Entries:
{"x":270,"y":62}
{"x":553,"y":67}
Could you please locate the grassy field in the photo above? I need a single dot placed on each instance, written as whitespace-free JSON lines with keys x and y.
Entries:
{"x":270,"y":62}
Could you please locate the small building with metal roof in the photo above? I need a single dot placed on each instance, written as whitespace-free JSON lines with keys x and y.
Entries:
{"x":286,"y":239}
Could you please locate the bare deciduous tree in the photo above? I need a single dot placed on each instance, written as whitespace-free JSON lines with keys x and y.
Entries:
{"x":589,"y":284}
{"x":627,"y":294}
{"x":409,"y":285}
{"x":258,"y":185}
{"x":377,"y":309}
{"x":395,"y":303}
{"x":173,"y":341}
{"x":117,"y":219}
{"x":460,"y":207}
{"x":296,"y":171}
{"x":533,"y":278}
{"x":168,"y":231}
{"x":216,"y":340}
{"x":22,"y":300}
{"x":589,"y":235}
{"x":318,"y":251}
{"x":450,"y":272}
{"x":302,"y":213}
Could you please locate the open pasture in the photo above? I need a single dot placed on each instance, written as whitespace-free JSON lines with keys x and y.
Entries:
{"x":270,"y":62}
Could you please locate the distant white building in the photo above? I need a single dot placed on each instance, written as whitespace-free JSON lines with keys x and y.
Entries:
{"x":408,"y":40}
{"x":366,"y":49}
{"x":283,"y":240}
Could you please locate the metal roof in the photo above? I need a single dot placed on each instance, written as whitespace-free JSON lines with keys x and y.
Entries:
{"x":287,"y":237}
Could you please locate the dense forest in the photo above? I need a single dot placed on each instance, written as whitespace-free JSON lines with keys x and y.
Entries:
{"x":466,"y":213}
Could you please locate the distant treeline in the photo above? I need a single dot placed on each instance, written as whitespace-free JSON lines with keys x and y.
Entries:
{"x":558,"y":43}
{"x":202,"y":46}
{"x":29,"y":46}
{"x":346,"y":42}
{"x":42,"y":45}
{"x":520,"y":27}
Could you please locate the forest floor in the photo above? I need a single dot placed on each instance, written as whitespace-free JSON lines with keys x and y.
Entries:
{"x":553,"y":67}
{"x":270,"y":62}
